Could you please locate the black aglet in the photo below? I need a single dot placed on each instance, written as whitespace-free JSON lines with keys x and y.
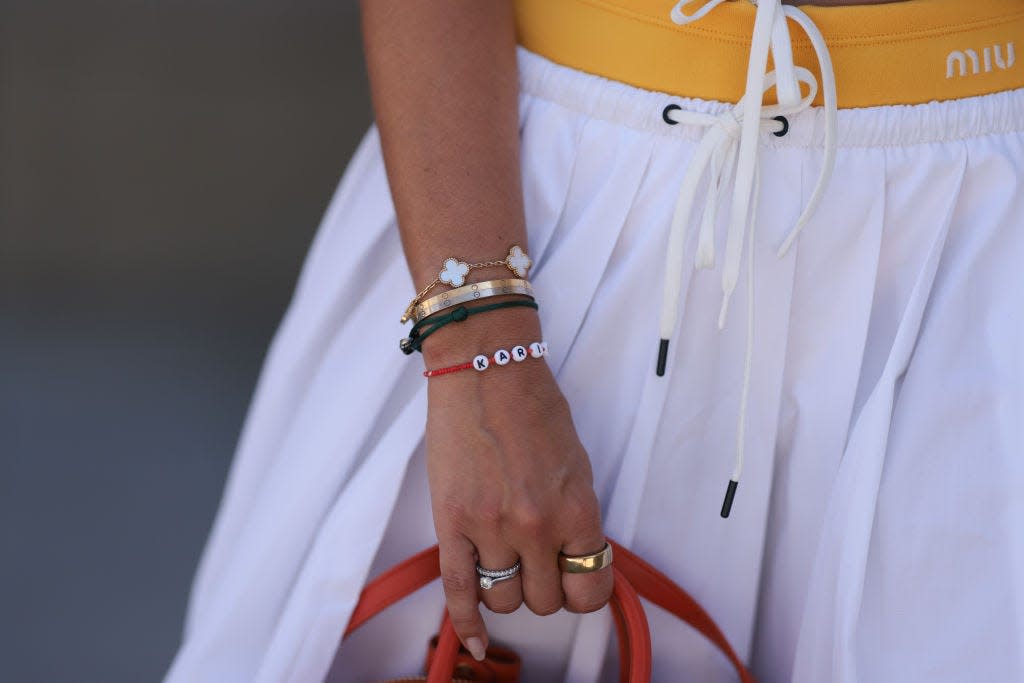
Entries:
{"x":730,"y":493}
{"x":662,"y":357}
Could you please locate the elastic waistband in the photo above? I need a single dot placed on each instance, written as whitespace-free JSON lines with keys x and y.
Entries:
{"x":887,"y":126}
{"x":907,"y":52}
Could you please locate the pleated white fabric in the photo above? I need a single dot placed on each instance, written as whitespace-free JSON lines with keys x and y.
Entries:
{"x":878,"y":533}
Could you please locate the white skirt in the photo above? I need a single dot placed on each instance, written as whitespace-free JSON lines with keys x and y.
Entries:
{"x":878,"y":531}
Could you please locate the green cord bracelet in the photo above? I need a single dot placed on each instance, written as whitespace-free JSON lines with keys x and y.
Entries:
{"x":421,"y":330}
{"x":458,"y":315}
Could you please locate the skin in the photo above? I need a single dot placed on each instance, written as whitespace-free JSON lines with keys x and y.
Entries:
{"x":508,"y":475}
{"x":509,"y":478}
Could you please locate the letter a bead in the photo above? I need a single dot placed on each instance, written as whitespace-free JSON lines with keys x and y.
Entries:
{"x":480,"y":362}
{"x":501,"y":357}
{"x":518,"y":353}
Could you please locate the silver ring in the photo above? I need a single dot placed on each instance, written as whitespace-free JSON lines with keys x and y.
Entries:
{"x":489,"y":577}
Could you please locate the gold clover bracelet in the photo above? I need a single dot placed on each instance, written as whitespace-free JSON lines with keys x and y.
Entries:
{"x":454,"y":271}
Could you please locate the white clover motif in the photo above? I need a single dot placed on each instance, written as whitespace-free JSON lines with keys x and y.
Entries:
{"x":454,"y":272}
{"x":518,"y":261}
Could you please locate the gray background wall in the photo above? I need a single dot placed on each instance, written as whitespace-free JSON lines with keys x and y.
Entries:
{"x":163,"y":166}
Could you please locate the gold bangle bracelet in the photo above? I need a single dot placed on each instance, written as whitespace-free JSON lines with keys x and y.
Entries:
{"x":477,"y":290}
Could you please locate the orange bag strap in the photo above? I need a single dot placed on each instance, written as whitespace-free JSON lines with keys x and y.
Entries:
{"x":665,"y":593}
{"x":443,"y":665}
{"x":635,"y":640}
{"x":422,"y":568}
{"x":401,"y":580}
{"x":633,"y":578}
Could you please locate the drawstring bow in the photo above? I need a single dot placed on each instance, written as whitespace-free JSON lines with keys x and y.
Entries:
{"x":729,"y":151}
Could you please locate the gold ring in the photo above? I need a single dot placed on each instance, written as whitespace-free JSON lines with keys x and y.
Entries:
{"x":582,"y":564}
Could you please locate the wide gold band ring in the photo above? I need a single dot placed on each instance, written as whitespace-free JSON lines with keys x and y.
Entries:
{"x":582,"y":564}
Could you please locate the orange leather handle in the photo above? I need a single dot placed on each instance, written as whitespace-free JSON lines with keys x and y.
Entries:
{"x":665,"y":593}
{"x":635,"y":641}
{"x":401,"y":580}
{"x":636,"y":664}
{"x":633,"y":578}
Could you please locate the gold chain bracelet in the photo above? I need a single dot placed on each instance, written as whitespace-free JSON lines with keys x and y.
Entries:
{"x":454,"y":271}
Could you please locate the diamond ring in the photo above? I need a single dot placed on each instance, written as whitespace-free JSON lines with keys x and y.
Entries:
{"x":489,"y":577}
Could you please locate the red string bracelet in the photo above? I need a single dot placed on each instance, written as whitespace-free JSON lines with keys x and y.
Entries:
{"x":500,"y":357}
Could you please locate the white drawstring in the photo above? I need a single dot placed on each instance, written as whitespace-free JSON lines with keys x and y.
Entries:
{"x":729,"y":150}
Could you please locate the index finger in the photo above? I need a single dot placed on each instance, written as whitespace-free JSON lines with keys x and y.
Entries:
{"x":460,"y":581}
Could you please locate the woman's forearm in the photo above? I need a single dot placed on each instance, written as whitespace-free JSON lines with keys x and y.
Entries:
{"x":444,"y":83}
{"x":509,"y":478}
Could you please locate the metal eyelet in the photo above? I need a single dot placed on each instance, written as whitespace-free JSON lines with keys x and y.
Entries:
{"x":785,"y":126}
{"x":666,"y":110}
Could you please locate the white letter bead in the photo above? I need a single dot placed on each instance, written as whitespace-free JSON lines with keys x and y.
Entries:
{"x":501,"y":357}
{"x":544,"y":347}
{"x":480,"y":362}
{"x":518,"y":353}
{"x":535,"y":350}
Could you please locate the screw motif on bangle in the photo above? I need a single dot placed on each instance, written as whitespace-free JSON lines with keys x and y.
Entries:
{"x":471,"y":292}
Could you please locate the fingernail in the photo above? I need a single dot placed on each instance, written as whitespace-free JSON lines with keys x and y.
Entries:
{"x":476,"y":648}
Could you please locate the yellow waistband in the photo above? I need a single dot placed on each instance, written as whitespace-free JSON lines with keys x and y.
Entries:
{"x":900,"y":53}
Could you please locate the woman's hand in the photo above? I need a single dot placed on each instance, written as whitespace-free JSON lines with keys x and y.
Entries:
{"x":509,"y":480}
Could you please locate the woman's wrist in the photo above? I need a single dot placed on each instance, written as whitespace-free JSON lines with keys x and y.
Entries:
{"x":485,"y":332}
{"x":504,"y":397}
